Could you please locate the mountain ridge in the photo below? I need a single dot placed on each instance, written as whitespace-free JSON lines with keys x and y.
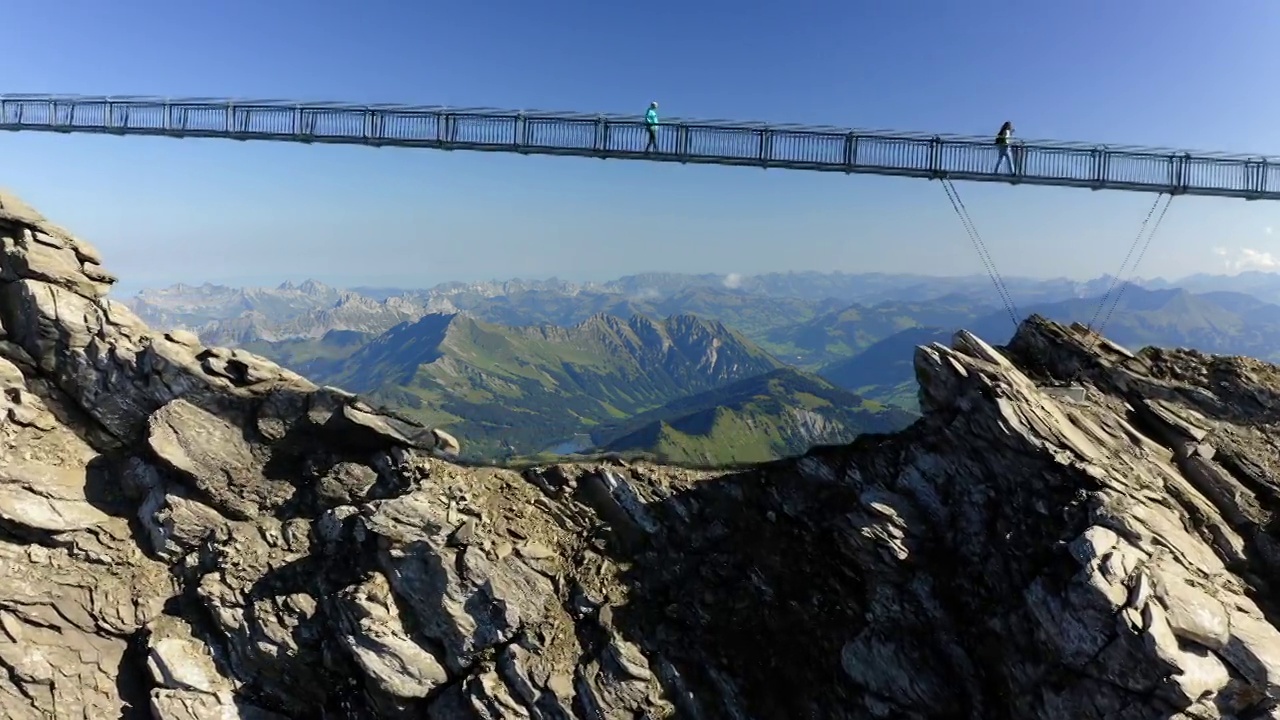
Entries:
{"x":1070,"y":530}
{"x":781,"y":413}
{"x":520,"y":390}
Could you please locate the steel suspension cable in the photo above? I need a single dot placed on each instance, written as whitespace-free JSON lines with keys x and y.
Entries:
{"x":983,"y":254}
{"x":1115,"y":279}
{"x":1141,"y":254}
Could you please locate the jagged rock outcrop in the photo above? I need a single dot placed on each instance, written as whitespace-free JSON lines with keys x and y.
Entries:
{"x":194,"y":532}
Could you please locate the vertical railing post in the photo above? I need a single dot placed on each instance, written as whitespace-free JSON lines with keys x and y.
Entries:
{"x":602,"y":135}
{"x":850,"y":152}
{"x":518,"y":126}
{"x":229,"y":121}
{"x":766,"y":137}
{"x":935,"y":157}
{"x":444,"y":130}
{"x":1262,"y":177}
{"x":1099,"y":167}
{"x":682,"y":143}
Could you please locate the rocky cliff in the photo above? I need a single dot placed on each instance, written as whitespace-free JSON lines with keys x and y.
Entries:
{"x":192,"y":532}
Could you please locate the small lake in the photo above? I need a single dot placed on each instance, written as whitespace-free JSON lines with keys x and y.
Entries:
{"x":575,"y":444}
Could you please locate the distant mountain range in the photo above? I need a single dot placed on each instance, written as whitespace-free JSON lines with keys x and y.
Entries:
{"x":692,"y":368}
{"x":752,"y":304}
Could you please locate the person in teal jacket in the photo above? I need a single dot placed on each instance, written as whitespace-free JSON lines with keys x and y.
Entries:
{"x":651,"y":125}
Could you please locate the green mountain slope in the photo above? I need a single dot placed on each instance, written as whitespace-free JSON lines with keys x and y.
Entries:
{"x":516,"y":391}
{"x":314,"y":358}
{"x":840,"y":334}
{"x":782,"y":413}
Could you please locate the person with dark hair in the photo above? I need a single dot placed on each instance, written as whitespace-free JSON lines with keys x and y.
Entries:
{"x":651,"y":125}
{"x":1002,"y":142}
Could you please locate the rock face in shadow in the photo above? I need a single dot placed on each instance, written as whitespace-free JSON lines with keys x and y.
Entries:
{"x":194,"y":532}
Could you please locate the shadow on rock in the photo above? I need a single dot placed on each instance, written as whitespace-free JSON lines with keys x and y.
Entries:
{"x":881,"y":580}
{"x":752,"y":590}
{"x":133,"y":682}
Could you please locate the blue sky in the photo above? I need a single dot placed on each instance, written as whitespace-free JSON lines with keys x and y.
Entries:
{"x":1140,"y":71}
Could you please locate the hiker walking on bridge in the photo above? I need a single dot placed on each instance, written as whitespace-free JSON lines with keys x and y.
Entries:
{"x":1002,"y":142}
{"x":651,"y":125}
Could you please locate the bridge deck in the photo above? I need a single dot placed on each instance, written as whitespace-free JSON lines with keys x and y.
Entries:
{"x":825,"y":149}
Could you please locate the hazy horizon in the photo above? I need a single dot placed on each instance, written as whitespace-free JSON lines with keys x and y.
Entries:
{"x":124,"y":288}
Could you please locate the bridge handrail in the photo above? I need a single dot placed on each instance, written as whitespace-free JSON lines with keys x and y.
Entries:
{"x":437,"y":110}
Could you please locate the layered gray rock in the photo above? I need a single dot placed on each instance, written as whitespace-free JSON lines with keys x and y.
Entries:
{"x":1071,"y":531}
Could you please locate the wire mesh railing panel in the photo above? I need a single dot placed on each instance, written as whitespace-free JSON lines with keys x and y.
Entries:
{"x":1131,"y":168}
{"x":634,"y":138}
{"x":1218,"y":174}
{"x":900,"y":153}
{"x":807,"y":148}
{"x":338,"y":123}
{"x":405,"y":127}
{"x":1270,"y":178}
{"x":265,"y":121}
{"x":80,"y":115}
{"x":728,"y":143}
{"x":958,"y":157}
{"x":27,"y":112}
{"x":199,"y":118}
{"x":480,"y":129}
{"x":1074,"y":165}
{"x":138,"y":116}
{"x":562,"y":134}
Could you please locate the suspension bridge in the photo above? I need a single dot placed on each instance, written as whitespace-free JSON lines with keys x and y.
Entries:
{"x":947,"y":158}
{"x":714,"y":142}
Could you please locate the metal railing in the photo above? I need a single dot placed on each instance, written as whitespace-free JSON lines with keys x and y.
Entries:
{"x":829,"y":149}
